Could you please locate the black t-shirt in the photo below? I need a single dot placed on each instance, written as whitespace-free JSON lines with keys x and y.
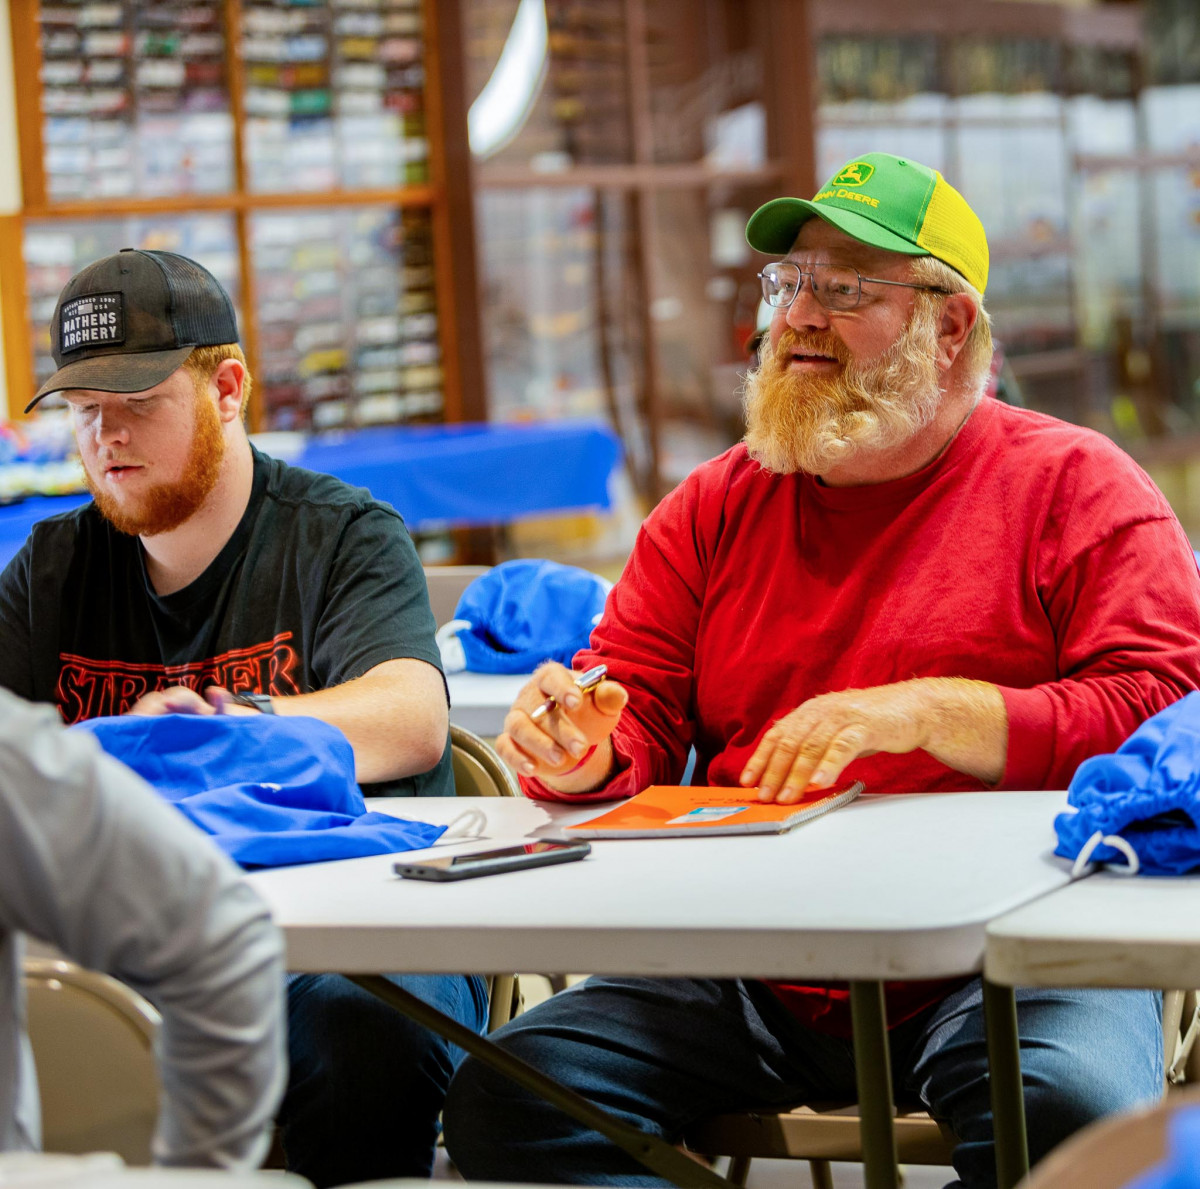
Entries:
{"x":318,"y":584}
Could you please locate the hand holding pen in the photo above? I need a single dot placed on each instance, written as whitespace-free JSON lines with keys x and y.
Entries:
{"x":588,"y":679}
{"x":559,"y":721}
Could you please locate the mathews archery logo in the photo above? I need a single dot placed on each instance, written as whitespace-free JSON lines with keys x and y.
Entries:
{"x":94,"y":321}
{"x":857,"y":173}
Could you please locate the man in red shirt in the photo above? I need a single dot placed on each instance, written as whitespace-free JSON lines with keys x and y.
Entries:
{"x":893,"y":579}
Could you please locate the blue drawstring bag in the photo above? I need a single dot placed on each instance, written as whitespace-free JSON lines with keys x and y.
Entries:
{"x":521,"y":613}
{"x":272,"y":791}
{"x":1142,"y":803}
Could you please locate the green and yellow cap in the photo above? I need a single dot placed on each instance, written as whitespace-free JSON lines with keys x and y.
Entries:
{"x":887,"y":202}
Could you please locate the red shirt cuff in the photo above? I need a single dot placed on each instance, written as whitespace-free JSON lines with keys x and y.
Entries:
{"x":1030,"y":738}
{"x":622,"y":784}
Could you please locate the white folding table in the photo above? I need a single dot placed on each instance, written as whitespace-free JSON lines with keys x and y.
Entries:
{"x":1104,"y":931}
{"x":888,"y":887}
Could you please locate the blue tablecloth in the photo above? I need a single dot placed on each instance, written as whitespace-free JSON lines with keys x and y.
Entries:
{"x":435,"y":475}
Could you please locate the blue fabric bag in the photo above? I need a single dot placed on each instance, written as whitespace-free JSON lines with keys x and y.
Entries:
{"x":1141,"y":805}
{"x":521,"y":613}
{"x":272,"y":791}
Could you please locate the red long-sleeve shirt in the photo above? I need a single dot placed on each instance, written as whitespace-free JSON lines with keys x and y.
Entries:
{"x":1032,"y":554}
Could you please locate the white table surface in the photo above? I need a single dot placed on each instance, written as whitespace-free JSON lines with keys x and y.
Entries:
{"x":884,"y":888}
{"x":479,"y":701}
{"x":105,"y":1170}
{"x":1104,"y":931}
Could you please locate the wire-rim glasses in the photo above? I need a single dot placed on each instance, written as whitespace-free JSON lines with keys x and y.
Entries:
{"x":835,"y":286}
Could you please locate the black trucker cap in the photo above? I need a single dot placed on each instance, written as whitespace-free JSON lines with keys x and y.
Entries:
{"x":125,"y":323}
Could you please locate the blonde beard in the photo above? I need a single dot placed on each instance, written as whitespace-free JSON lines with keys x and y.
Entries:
{"x":168,"y":505}
{"x":813,"y":423}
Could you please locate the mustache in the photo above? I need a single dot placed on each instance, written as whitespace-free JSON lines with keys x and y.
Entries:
{"x":816,"y":342}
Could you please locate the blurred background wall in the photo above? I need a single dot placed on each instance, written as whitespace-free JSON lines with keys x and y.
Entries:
{"x":534,"y":209}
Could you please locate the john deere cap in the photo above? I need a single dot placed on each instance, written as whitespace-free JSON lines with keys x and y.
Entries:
{"x":887,"y":202}
{"x":125,"y":323}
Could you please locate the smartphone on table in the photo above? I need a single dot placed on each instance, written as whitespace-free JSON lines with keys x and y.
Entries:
{"x":491,"y":862}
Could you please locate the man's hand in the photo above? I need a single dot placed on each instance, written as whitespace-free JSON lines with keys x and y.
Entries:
{"x":179,"y":699}
{"x":176,"y":700}
{"x":551,"y":748}
{"x":962,"y":723}
{"x":218,"y":697}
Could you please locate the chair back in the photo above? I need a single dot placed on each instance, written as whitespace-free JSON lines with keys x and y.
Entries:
{"x":93,"y":1045}
{"x":478,"y":770}
{"x":1111,"y":1152}
{"x":446,"y":584}
{"x":820,"y":1132}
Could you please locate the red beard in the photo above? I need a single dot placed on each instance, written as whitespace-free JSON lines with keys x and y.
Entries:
{"x":168,"y":505}
{"x":812,"y":423}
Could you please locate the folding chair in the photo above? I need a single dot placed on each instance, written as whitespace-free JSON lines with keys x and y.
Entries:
{"x":1112,"y":1152}
{"x":480,"y":772}
{"x":824,"y":1132}
{"x":93,"y":1045}
{"x":446,"y":584}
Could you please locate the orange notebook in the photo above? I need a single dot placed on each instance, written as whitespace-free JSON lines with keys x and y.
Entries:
{"x":671,"y":811}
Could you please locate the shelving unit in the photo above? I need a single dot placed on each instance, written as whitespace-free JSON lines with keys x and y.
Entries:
{"x":611,"y":210}
{"x":611,"y":215}
{"x":324,"y":172}
{"x":307,"y":153}
{"x":1003,"y":98}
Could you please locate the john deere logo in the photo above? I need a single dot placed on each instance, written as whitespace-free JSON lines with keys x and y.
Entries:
{"x":855,"y":174}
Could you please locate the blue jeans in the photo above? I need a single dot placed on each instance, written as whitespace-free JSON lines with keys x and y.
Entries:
{"x":662,"y":1054}
{"x":366,"y":1083}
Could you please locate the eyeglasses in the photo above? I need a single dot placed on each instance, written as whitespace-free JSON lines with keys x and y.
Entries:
{"x":835,"y":286}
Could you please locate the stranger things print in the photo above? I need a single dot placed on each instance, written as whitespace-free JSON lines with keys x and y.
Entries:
{"x":90,"y":688}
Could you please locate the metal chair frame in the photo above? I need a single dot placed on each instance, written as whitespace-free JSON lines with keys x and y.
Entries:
{"x":822,"y":1132}
{"x":85,"y":1108}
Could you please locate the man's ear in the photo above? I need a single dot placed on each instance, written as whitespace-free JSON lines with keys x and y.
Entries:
{"x":959,"y":313}
{"x":227,"y":381}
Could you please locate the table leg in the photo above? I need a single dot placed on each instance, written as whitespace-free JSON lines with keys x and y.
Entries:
{"x":874,"y":1073}
{"x":656,"y":1154}
{"x":1008,"y":1099}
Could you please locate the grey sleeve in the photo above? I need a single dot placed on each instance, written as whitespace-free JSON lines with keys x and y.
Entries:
{"x":95,"y":862}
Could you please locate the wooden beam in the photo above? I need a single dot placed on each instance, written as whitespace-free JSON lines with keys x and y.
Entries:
{"x":456,"y":273}
{"x":27,"y":68}
{"x":231,"y":13}
{"x":14,"y":317}
{"x":399,"y":196}
{"x":791,"y":85}
{"x":644,"y":254}
{"x":1116,"y":26}
{"x":688,"y":176}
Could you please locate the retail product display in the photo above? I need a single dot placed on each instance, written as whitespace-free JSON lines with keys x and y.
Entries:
{"x":347,"y":318}
{"x":135,"y":99}
{"x":295,"y":165}
{"x":334,"y":95}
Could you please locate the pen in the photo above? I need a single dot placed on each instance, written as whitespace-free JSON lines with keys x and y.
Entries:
{"x":588,"y":679}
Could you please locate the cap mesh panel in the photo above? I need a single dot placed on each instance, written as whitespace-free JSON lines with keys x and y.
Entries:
{"x":203,"y":313}
{"x":952,"y":232}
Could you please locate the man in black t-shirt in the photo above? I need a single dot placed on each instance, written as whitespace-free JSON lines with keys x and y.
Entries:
{"x":208,"y":578}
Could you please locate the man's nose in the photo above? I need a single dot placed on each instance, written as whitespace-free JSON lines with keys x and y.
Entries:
{"x":111,"y":428}
{"x":805,"y":310}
